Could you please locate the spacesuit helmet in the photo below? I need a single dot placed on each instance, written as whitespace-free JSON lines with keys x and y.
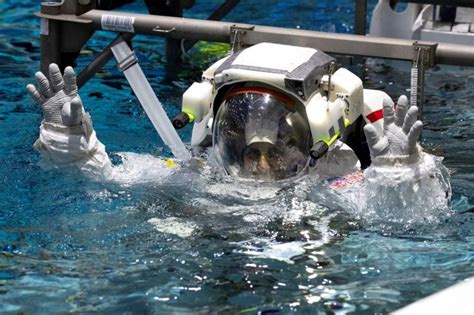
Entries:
{"x":261,"y":133}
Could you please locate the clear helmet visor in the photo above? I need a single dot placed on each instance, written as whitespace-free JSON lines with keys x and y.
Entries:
{"x":259,"y":133}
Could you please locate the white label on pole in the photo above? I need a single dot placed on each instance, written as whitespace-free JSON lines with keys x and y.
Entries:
{"x":117,"y":23}
{"x":44,"y":27}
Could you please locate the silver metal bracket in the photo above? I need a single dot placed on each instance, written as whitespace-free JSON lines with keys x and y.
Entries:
{"x":423,"y":59}
{"x":332,"y":67}
{"x":157,"y":29}
{"x":325,"y":84}
{"x":237,"y":37}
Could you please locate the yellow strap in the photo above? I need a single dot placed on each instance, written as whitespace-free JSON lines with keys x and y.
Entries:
{"x":190,"y":115}
{"x":331,"y":140}
{"x":170,"y":163}
{"x":336,"y":135}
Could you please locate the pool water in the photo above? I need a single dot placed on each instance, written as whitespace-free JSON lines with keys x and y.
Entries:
{"x":196,"y":241}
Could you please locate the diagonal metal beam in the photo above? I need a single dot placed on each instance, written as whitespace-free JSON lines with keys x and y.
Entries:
{"x":101,"y":59}
{"x":217,"y":15}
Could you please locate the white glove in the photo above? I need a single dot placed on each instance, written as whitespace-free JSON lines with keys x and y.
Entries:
{"x":401,"y":132}
{"x":404,"y":187}
{"x":66,"y":133}
{"x":58,"y":96}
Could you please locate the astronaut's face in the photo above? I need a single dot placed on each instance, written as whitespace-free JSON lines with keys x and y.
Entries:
{"x":269,"y":162}
{"x":262,"y":159}
{"x":257,"y":134}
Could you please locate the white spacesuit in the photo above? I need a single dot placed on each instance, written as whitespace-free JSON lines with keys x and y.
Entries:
{"x":271,"y":112}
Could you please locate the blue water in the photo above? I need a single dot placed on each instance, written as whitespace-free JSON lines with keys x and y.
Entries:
{"x":189,"y":243}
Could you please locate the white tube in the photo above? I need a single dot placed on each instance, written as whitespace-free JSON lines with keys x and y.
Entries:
{"x":150,"y":102}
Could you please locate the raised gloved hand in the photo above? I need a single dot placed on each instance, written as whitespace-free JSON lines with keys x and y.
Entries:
{"x":58,"y":96}
{"x":401,"y":132}
{"x":66,"y":133}
{"x":404,"y":185}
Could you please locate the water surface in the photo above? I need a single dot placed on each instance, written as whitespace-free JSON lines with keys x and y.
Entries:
{"x":197,"y":242}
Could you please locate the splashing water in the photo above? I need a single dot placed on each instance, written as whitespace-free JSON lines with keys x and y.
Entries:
{"x":416,"y":196}
{"x":390,"y":199}
{"x":282,"y":221}
{"x":267,"y":216}
{"x":195,"y":241}
{"x":137,"y":169}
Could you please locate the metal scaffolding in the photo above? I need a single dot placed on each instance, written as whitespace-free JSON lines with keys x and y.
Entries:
{"x":66,"y":27}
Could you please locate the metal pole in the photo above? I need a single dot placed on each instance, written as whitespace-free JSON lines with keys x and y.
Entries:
{"x":423,"y":59}
{"x":167,"y":26}
{"x":452,"y":54}
{"x":344,"y":44}
{"x":360,"y":17}
{"x":50,"y":36}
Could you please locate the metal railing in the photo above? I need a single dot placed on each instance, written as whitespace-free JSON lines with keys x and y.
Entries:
{"x":56,"y":23}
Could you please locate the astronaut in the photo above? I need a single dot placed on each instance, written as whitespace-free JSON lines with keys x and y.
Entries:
{"x":271,"y":112}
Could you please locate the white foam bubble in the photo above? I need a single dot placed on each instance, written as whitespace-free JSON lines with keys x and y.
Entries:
{"x":274,"y":250}
{"x":172,"y":225}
